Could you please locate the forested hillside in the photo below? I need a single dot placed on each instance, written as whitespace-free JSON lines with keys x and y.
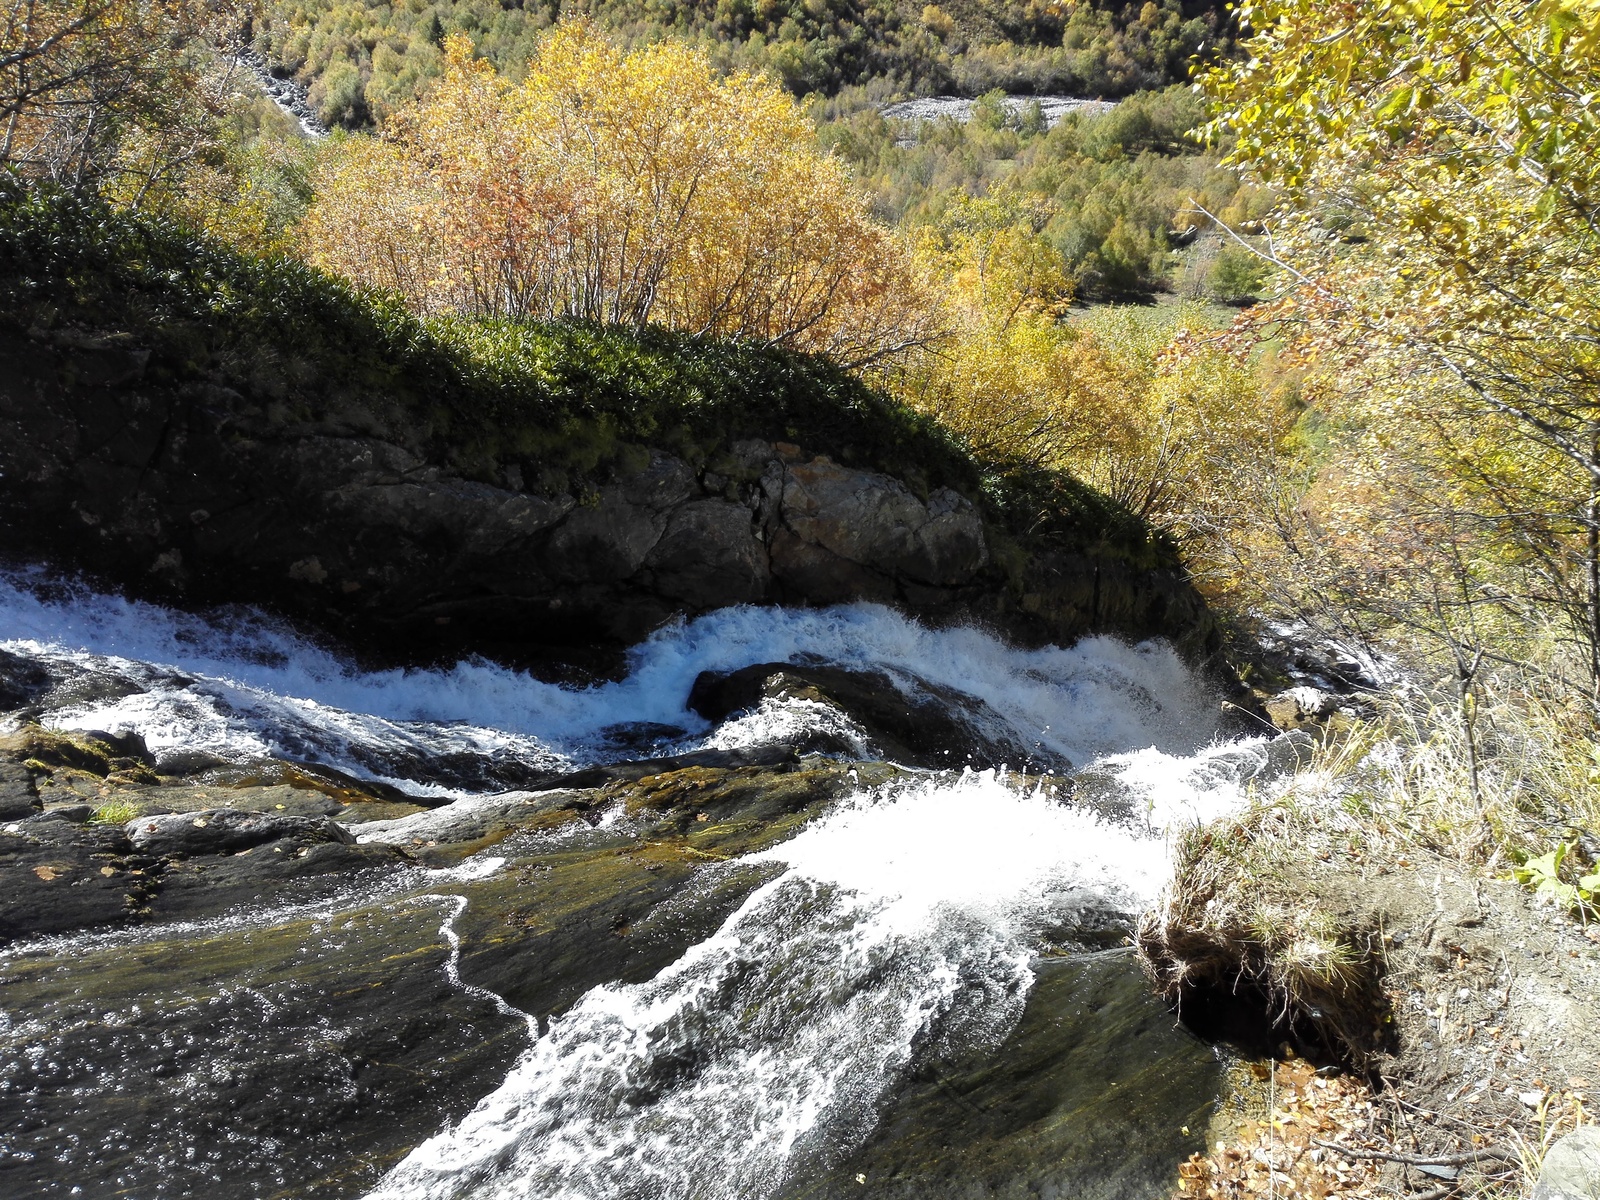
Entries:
{"x":1113,"y":194}
{"x":361,"y":61}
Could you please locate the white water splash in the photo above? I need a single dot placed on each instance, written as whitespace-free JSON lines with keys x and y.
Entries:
{"x":242,"y":687}
{"x":777,"y":721}
{"x":899,"y":927}
{"x":452,"y":964}
{"x":902,"y":927}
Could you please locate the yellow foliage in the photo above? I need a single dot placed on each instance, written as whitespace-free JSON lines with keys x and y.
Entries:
{"x":619,"y":187}
{"x":106,"y":90}
{"x":1136,"y":402}
{"x":1440,"y":166}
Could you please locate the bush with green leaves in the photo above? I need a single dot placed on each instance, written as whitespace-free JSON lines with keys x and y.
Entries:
{"x":1569,"y":892}
{"x":1237,"y":276}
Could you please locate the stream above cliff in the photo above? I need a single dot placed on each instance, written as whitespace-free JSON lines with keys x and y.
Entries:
{"x":811,"y":902}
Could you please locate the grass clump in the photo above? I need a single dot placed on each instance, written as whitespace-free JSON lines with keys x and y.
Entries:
{"x":1243,"y":936}
{"x":116,"y":812}
{"x":1506,"y":779}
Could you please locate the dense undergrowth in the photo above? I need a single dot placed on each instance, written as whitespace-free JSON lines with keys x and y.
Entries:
{"x":573,"y":399}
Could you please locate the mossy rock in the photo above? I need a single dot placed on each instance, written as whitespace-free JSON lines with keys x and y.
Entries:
{"x":100,"y":754}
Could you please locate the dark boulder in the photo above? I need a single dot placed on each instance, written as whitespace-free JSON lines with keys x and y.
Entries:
{"x":228,"y":831}
{"x":919,"y":724}
{"x":22,"y":681}
{"x":59,"y":875}
{"x":19,"y":797}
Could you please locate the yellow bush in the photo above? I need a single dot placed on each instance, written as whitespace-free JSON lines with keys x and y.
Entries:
{"x":622,"y":187}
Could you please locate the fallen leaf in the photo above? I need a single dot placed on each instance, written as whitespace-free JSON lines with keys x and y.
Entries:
{"x":47,"y":873}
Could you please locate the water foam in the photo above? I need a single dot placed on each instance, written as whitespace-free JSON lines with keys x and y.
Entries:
{"x":242,"y":686}
{"x":901,"y":928}
{"x":897,"y":928}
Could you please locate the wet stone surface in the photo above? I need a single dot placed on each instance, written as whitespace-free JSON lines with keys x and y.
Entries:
{"x":1094,"y":1095}
{"x":250,"y":974}
{"x":185,"y":1058}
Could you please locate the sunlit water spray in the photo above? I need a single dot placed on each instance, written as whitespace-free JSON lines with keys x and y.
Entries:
{"x":901,"y":930}
{"x":241,"y":686}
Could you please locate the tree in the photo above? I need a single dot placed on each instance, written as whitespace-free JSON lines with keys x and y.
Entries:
{"x":1003,"y":378}
{"x":98,"y":90}
{"x":1101,"y":395}
{"x":1439,"y":166}
{"x":1237,"y":276}
{"x":617,"y":187}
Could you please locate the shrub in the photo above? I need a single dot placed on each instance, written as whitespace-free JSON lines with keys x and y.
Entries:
{"x":1237,"y":276}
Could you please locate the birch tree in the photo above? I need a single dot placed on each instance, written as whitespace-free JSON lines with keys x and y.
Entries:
{"x":1439,"y":235}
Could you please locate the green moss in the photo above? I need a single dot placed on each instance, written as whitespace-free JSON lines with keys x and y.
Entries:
{"x":46,"y":750}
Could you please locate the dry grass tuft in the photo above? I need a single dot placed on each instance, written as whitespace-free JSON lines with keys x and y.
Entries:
{"x":1241,"y":921}
{"x":1355,"y":907}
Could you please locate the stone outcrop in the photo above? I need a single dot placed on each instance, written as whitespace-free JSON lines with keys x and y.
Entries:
{"x":1571,"y":1170}
{"x":200,"y":493}
{"x":922,"y":725}
{"x":228,"y":831}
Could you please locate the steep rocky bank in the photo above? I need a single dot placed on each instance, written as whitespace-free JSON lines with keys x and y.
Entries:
{"x":201,"y":490}
{"x":203,"y":428}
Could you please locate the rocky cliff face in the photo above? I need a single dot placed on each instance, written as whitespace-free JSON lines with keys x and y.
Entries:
{"x":200,"y":489}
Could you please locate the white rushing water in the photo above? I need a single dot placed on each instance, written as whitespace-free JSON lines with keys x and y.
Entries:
{"x":902,"y":929}
{"x":896,"y":929}
{"x":242,"y":687}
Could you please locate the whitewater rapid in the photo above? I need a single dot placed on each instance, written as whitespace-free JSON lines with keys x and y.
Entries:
{"x":902,"y":930}
{"x":240,"y":686}
{"x":897,"y":929}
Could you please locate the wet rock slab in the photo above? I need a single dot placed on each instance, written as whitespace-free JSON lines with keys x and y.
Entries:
{"x":59,"y":874}
{"x":1087,"y":1098}
{"x":183,"y":1062}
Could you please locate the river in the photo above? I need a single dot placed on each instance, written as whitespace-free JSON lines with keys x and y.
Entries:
{"x":767,"y":1025}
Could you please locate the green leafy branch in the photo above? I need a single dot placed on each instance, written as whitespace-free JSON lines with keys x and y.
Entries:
{"x":1543,"y":875}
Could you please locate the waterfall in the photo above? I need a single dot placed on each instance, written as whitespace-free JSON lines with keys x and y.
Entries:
{"x":898,"y":927}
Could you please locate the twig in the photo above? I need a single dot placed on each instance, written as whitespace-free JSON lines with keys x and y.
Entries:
{"x":1412,"y":1160}
{"x":1476,"y":1126}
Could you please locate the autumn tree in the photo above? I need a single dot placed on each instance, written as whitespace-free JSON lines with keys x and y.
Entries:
{"x":1102,"y":395}
{"x":618,"y":187}
{"x":96,"y":91}
{"x":1439,"y":165}
{"x":1001,"y":378}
